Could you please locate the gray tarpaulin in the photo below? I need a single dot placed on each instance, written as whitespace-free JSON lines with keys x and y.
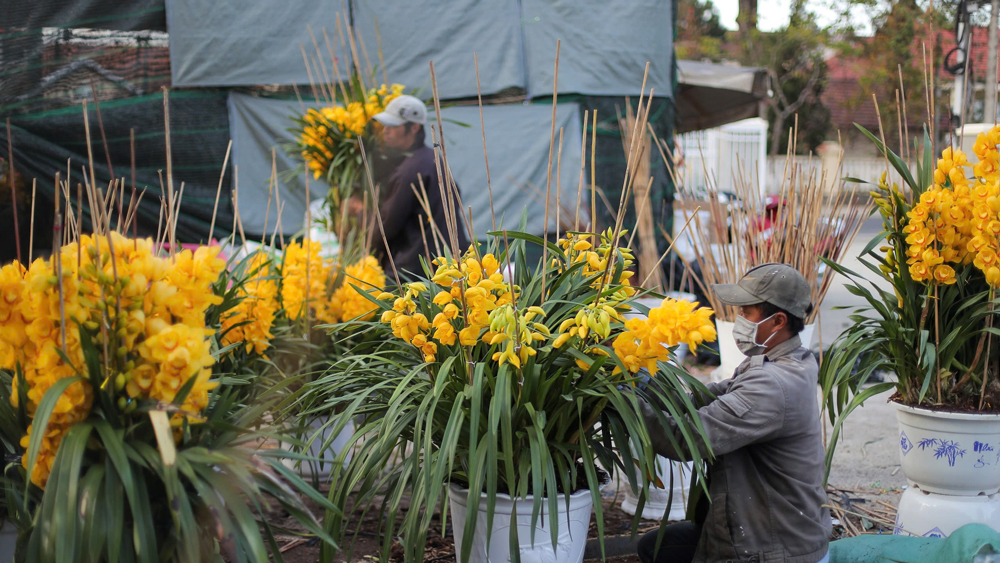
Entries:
{"x":247,"y":42}
{"x":517,"y":138}
{"x":414,"y":33}
{"x":517,"y":142}
{"x":257,"y":125}
{"x":605,"y":45}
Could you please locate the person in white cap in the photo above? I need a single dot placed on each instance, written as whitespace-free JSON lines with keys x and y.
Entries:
{"x":403,"y":130}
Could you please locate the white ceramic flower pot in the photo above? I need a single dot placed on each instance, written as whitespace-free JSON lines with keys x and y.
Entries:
{"x":950,"y":453}
{"x":952,"y":462}
{"x":730,"y":356}
{"x":659,"y":499}
{"x":328,"y":456}
{"x":572,"y":538}
{"x":932,"y":515}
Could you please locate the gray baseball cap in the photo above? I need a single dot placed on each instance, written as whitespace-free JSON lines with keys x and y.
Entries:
{"x":778,"y":284}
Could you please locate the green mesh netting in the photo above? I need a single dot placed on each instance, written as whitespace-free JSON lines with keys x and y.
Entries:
{"x":56,"y":54}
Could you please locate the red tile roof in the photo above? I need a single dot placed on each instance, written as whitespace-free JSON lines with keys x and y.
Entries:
{"x":847,"y":102}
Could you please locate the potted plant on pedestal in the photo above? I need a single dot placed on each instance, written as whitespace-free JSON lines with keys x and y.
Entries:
{"x":930,"y":318}
{"x":508,"y":396}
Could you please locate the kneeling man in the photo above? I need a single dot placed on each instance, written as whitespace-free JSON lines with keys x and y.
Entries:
{"x":763,"y":426}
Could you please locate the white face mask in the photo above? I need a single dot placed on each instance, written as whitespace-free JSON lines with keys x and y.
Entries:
{"x":745,"y":334}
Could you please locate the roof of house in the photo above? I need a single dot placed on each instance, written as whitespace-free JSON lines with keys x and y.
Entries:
{"x":849,"y":104}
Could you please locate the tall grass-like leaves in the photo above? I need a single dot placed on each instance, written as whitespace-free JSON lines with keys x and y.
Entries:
{"x":111,"y":498}
{"x":531,"y":432}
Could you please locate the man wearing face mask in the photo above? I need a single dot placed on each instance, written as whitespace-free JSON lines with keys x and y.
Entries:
{"x":763,"y":426}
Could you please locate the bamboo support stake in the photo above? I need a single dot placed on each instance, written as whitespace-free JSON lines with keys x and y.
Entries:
{"x":218,"y":192}
{"x":343,"y":45}
{"x":90,"y":159}
{"x":31,"y":232}
{"x":131,"y":142}
{"x":450,"y":204}
{"x":548,"y":181}
{"x":133,"y":210}
{"x":482,"y":126}
{"x":100,"y":126}
{"x":558,"y":182}
{"x":11,"y":179}
{"x":320,"y":63}
{"x":369,"y":70}
{"x":665,"y":252}
{"x":309,"y":73}
{"x":236,"y":204}
{"x":57,"y":226}
{"x":593,"y":175}
{"x":170,"y":168}
{"x":270,"y":196}
{"x":354,"y":56}
{"x":378,"y":214}
{"x":583,"y":164}
{"x":381,"y":61}
{"x":79,"y":225}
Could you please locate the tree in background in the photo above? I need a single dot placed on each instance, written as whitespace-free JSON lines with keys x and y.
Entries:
{"x":700,"y":34}
{"x":894,"y":57}
{"x":793,"y":57}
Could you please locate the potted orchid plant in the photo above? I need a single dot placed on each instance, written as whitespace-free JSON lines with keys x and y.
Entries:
{"x":507,"y":396}
{"x":930,"y":318}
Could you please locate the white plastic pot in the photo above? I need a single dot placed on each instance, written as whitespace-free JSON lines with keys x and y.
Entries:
{"x":572,"y":538}
{"x":328,"y":456}
{"x":937,"y":516}
{"x":656,"y":504}
{"x":730,"y":356}
{"x":950,"y":453}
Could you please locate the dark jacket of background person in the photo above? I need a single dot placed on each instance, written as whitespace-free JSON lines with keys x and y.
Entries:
{"x":402,"y":214}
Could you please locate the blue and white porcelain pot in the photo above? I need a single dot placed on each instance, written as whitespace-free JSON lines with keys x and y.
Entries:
{"x":950,"y":453}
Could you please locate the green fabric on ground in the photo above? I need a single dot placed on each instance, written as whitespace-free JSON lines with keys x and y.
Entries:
{"x":960,"y":547}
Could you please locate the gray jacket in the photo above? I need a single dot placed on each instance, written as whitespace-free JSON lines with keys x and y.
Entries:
{"x":766,"y":481}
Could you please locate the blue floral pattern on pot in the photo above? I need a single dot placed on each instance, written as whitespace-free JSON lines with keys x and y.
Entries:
{"x":948,"y":449}
{"x":935,"y":533}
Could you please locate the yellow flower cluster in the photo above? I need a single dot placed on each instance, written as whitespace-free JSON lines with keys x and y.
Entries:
{"x":251,"y":320}
{"x":645,"y":341}
{"x":985,"y":149}
{"x":579,"y":249}
{"x":956,"y":220}
{"x":324,"y":128}
{"x":518,"y":331}
{"x":475,"y":289}
{"x":305,"y":276}
{"x":594,"y":321}
{"x":146,"y":312}
{"x":347,"y":303}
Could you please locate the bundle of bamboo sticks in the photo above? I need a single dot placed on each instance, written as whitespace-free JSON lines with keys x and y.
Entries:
{"x":645,"y":229}
{"x":812,"y":215}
